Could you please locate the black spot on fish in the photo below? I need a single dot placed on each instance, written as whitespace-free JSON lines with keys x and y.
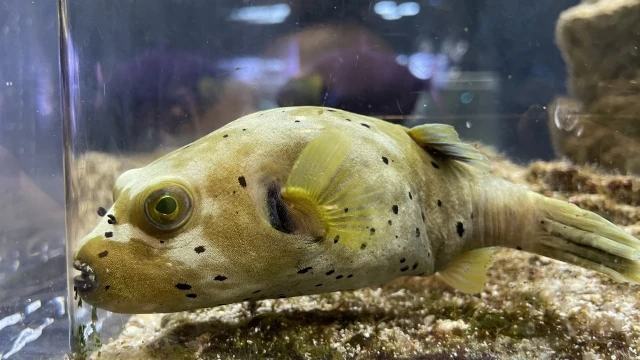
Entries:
{"x":518,"y":247}
{"x":112,"y":219}
{"x":282,"y":296}
{"x":394,"y":208}
{"x":363,"y":246}
{"x":161,"y":241}
{"x":297,"y":121}
{"x":330,"y":272}
{"x":404,"y":269}
{"x":365,"y":125}
{"x":471,"y":216}
{"x":242,"y":181}
{"x":305,"y":270}
{"x":199,"y":249}
{"x":339,"y":277}
{"x":331,"y":110}
{"x":429,"y":254}
{"x":439,"y":203}
{"x":390,"y":222}
{"x":107,"y":287}
{"x":225,"y":135}
{"x":255,"y":292}
{"x":417,"y":232}
{"x":336,"y":239}
{"x":346,"y":210}
{"x":460,"y":228}
{"x":244,"y":129}
{"x":347,"y":119}
{"x":108,"y":234}
{"x":193,"y":296}
{"x":410,"y":196}
{"x":246,"y":299}
{"x":402,"y":260}
{"x":318,"y":285}
{"x":220,"y":278}
{"x":435,"y":165}
{"x":385,"y":160}
{"x":349,"y":276}
{"x":103,"y":254}
{"x":414,"y":266}
{"x":422,"y":214}
{"x":102,"y":211}
{"x":372,"y":231}
{"x":181,"y":286}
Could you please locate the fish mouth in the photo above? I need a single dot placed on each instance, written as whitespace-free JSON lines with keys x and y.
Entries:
{"x":86,"y":281}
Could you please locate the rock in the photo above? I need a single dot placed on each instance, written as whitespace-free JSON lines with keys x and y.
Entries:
{"x":607,"y":133}
{"x":599,"y":43}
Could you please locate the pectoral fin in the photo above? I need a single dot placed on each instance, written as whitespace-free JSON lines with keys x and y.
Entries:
{"x":321,"y":195}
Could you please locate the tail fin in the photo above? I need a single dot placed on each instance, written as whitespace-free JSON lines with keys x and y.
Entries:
{"x":576,"y":236}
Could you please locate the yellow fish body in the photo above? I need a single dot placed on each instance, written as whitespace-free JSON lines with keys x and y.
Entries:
{"x":303,"y":200}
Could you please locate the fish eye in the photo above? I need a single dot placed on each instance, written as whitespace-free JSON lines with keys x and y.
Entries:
{"x":168,"y":208}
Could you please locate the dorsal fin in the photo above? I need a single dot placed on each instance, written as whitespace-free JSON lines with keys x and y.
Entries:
{"x":444,"y":139}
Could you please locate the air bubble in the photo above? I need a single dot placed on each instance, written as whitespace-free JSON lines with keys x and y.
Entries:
{"x":466,"y":97}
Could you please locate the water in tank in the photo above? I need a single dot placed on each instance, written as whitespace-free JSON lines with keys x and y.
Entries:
{"x":272,"y":179}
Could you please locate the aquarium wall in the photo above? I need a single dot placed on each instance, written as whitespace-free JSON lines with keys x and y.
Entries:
{"x":33,"y":282}
{"x":454,"y":61}
{"x":546,"y":90}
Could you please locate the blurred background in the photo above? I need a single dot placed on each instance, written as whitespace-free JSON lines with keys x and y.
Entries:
{"x":151,"y":75}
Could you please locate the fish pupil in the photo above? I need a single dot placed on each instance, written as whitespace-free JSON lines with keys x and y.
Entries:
{"x":279,"y":218}
{"x":167,"y":205}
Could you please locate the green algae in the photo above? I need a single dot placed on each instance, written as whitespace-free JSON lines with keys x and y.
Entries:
{"x":291,"y":335}
{"x":84,"y":346}
{"x":296,"y":334}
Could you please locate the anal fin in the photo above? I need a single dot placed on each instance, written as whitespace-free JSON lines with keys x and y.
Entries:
{"x":468,"y":272}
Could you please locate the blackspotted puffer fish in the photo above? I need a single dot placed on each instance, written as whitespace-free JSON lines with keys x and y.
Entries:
{"x":305,"y":200}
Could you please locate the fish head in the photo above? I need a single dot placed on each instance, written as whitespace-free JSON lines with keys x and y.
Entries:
{"x":189,"y":231}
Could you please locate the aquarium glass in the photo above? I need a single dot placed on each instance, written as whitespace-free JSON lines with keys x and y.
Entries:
{"x":33,"y":282}
{"x":547,"y":91}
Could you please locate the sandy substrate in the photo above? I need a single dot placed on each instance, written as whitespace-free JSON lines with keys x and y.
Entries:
{"x":531,"y":308}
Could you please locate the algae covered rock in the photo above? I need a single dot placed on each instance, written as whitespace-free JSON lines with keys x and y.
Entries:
{"x":600,"y":43}
{"x":607,"y":133}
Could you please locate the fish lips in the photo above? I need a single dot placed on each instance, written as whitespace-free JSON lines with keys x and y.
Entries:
{"x":86,"y":281}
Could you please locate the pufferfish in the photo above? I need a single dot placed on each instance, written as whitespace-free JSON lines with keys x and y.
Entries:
{"x":306,"y":200}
